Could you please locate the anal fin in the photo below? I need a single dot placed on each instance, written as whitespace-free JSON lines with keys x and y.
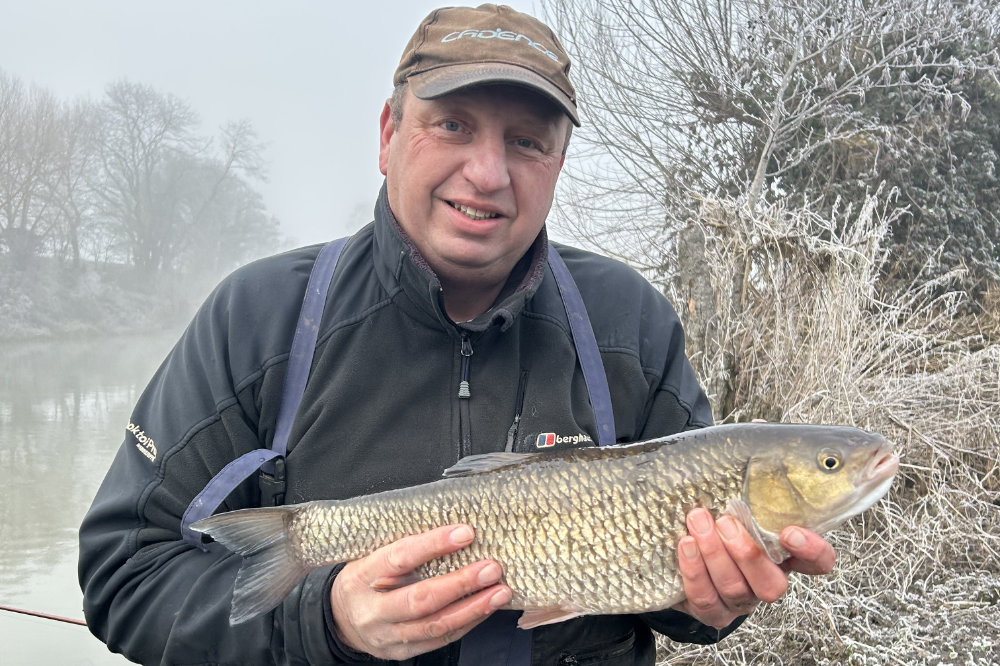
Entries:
{"x":537,"y":617}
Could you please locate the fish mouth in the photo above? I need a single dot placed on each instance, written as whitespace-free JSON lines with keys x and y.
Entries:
{"x":882,"y":466}
{"x":877,"y":476}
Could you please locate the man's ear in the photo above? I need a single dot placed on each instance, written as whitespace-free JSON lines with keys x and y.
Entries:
{"x":386,"y":130}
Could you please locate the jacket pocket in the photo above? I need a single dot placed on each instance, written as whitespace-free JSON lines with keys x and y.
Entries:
{"x":616,"y":653}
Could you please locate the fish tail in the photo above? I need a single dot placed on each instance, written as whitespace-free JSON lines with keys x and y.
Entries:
{"x":270,"y":566}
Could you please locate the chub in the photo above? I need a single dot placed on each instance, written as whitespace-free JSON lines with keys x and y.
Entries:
{"x":582,"y":531}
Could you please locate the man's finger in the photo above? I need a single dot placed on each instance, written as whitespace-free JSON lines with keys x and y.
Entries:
{"x":402,"y":557}
{"x":698,"y":586}
{"x":767,"y":582}
{"x":810,"y":553}
{"x":729,"y":581}
{"x":455,"y":620}
{"x":370,"y":609}
{"x":427,"y":597}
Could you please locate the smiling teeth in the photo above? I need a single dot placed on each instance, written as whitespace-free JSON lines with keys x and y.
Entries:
{"x":474,"y":213}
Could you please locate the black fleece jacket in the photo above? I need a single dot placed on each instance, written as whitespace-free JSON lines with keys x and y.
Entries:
{"x":381,"y":411}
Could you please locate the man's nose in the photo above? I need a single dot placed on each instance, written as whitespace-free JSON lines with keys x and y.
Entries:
{"x":486,"y":164}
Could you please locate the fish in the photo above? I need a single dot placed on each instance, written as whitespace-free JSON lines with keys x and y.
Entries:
{"x":581,"y":531}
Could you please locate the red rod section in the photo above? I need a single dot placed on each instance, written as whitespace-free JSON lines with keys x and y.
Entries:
{"x":45,"y":616}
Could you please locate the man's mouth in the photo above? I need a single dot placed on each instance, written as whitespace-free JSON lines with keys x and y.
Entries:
{"x":473,"y":213}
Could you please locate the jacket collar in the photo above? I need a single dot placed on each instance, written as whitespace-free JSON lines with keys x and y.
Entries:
{"x":401,"y":266}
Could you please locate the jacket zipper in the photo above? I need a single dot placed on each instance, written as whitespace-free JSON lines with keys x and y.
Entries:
{"x":518,"y":408}
{"x":464,"y":394}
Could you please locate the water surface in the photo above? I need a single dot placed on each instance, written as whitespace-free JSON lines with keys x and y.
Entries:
{"x":64,"y":406}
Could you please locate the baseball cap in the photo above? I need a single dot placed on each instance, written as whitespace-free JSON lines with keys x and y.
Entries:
{"x":459,"y":47}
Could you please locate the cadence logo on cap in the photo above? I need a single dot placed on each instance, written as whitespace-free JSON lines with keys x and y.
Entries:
{"x":499,"y":33}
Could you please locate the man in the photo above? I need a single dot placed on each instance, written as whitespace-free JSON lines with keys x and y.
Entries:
{"x":449,"y":287}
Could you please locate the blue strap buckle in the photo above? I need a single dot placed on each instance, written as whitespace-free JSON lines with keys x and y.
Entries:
{"x":272,"y":486}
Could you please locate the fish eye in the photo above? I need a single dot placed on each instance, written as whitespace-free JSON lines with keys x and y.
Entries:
{"x":828,"y":460}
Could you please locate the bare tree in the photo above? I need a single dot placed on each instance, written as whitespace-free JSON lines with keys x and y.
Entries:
{"x":127,"y":183}
{"x":69,"y":190}
{"x":226,"y":212}
{"x":237,"y":224}
{"x":173,"y":198}
{"x":143,"y":132}
{"x":730,"y":97}
{"x":28,"y":117}
{"x":806,"y":106}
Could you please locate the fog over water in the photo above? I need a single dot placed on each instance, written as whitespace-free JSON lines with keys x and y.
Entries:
{"x":311,"y":75}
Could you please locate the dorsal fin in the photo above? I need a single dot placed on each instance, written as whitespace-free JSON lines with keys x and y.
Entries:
{"x":488,"y":462}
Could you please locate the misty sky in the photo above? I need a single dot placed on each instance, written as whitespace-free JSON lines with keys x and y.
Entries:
{"x":311,"y":75}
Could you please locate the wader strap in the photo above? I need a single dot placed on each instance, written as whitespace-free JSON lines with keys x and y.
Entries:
{"x":304,"y":343}
{"x":211,"y":496}
{"x":271,"y":461}
{"x":586,"y":349}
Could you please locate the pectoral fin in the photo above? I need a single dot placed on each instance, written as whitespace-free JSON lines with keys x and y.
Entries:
{"x":768,"y":541}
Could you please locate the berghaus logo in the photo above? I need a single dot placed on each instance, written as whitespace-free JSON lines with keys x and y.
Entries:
{"x":550,"y":439}
{"x":499,"y":33}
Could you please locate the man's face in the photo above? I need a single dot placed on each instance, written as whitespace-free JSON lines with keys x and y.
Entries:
{"x":470,"y":177}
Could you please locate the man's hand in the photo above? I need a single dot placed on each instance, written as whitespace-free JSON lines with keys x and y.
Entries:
{"x":726,"y":574}
{"x":377,"y":613}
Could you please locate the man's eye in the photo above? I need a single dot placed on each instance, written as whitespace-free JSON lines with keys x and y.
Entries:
{"x":525,"y":143}
{"x":451,"y":126}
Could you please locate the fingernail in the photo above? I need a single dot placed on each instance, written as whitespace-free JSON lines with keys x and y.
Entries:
{"x":689,"y":549}
{"x":701,"y":522}
{"x":727,"y":528}
{"x":500,"y":599}
{"x":489,"y":574}
{"x":795,"y":538}
{"x":462,"y":535}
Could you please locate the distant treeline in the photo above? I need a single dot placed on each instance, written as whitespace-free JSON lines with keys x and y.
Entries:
{"x":124,"y":186}
{"x":126,"y":180}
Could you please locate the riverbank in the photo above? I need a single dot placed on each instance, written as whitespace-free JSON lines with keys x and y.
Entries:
{"x":58,"y":302}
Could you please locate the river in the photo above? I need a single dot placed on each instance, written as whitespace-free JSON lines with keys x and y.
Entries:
{"x":63,"y":411}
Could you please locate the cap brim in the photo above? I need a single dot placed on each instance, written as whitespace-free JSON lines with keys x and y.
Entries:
{"x":441,"y":81}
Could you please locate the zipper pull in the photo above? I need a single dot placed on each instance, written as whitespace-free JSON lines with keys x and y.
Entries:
{"x":463,"y":386}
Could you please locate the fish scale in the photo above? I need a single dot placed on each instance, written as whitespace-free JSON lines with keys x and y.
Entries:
{"x":589,"y":530}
